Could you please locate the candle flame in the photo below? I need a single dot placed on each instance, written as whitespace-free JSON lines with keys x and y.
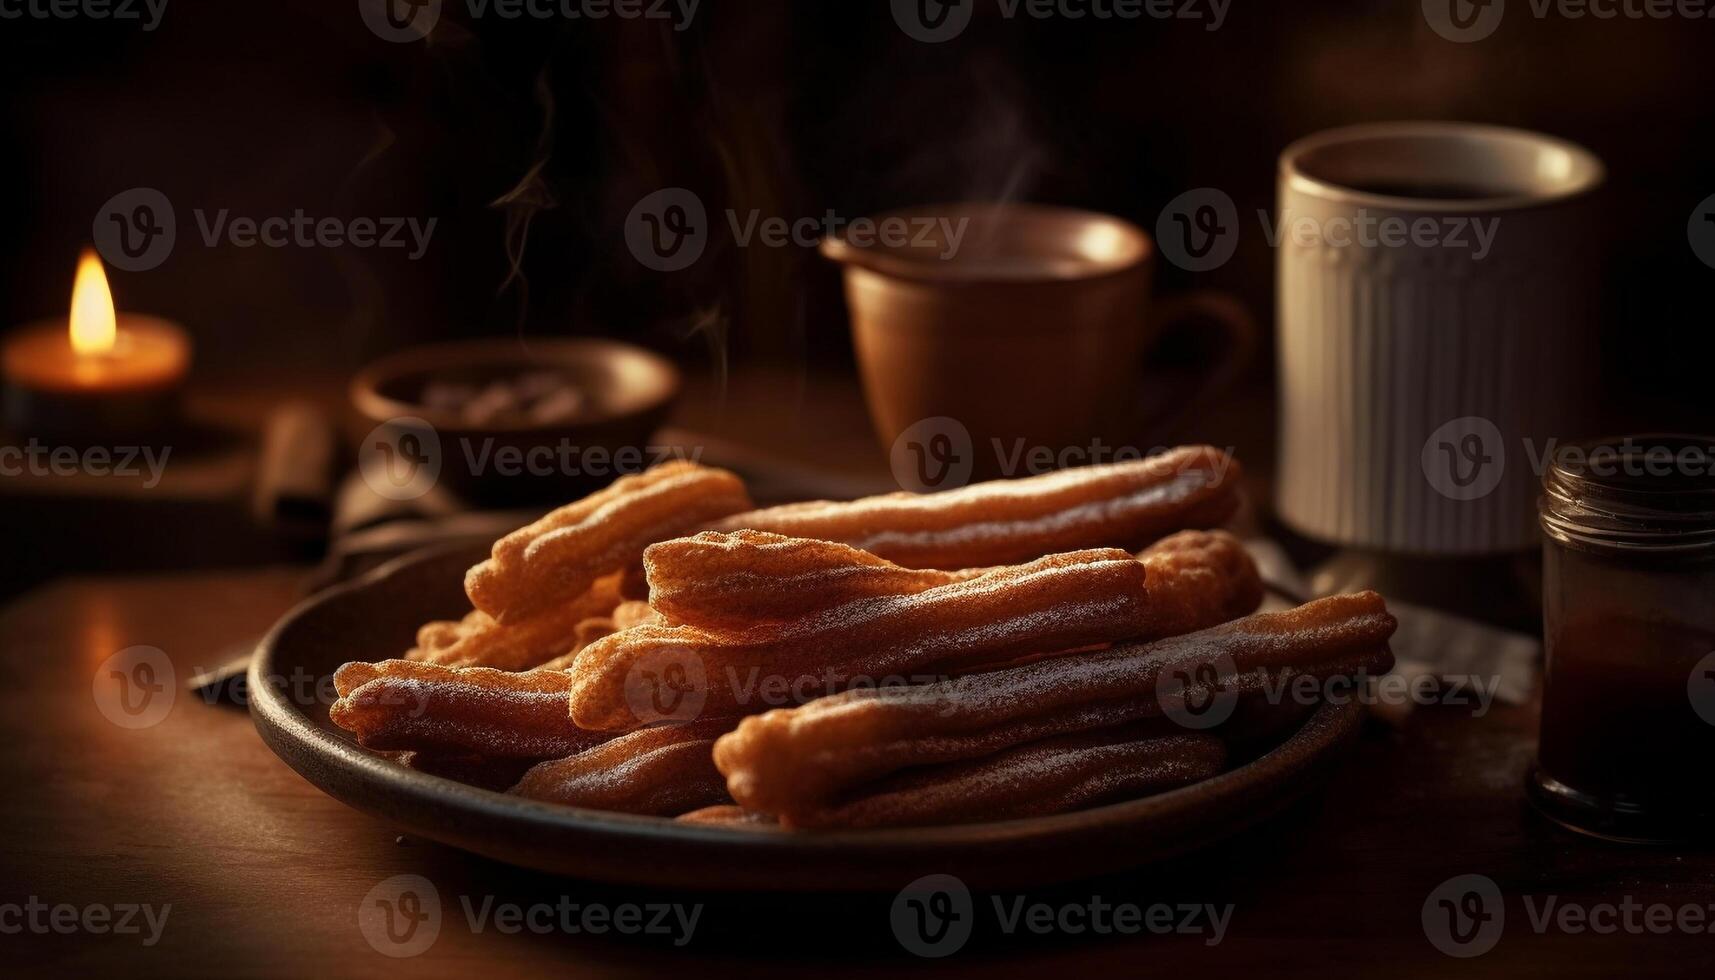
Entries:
{"x":94,"y":326}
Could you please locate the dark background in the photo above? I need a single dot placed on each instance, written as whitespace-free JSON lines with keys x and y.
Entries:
{"x":531,"y":140}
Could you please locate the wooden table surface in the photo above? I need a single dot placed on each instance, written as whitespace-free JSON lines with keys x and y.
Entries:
{"x":265,"y":874}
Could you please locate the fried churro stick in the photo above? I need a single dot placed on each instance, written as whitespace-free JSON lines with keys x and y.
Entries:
{"x":632,"y":612}
{"x":564,"y":552}
{"x":1059,"y":602}
{"x":746,"y":578}
{"x":790,"y":761}
{"x":635,"y":612}
{"x":401,"y":704}
{"x":472,"y":770}
{"x":662,"y":771}
{"x":1056,"y":775}
{"x":479,"y":641}
{"x":1198,"y":579}
{"x":727,"y":815}
{"x":1120,"y":505}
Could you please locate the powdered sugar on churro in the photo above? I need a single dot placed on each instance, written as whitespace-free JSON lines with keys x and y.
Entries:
{"x":1127,"y":505}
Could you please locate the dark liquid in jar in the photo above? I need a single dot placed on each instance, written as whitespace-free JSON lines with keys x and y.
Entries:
{"x":1618,"y":716}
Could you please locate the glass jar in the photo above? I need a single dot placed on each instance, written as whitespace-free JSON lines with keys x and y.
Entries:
{"x":1628,"y":704}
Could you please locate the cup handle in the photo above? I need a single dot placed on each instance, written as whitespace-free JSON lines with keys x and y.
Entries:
{"x":1238,"y":346}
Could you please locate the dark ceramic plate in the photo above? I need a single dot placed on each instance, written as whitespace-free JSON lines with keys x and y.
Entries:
{"x":374,"y":616}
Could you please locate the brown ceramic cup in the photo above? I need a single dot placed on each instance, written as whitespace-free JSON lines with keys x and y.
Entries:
{"x":997,"y":340}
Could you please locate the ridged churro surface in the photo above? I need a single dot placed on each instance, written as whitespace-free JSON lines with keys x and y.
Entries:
{"x":1116,"y":505}
{"x":458,"y":711}
{"x":662,"y":771}
{"x":1056,"y":775}
{"x":738,"y":580}
{"x":561,"y":554}
{"x":1055,"y":603}
{"x":788,"y":761}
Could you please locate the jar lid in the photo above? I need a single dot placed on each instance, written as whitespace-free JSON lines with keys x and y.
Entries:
{"x":1633,"y":493}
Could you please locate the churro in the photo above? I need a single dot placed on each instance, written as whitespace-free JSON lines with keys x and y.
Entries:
{"x":745,"y":578}
{"x":479,"y":641}
{"x":663,"y":771}
{"x":1059,"y":602}
{"x":456,"y":711}
{"x":472,"y":770}
{"x":1052,"y":776}
{"x":1198,"y":579}
{"x":791,"y":761}
{"x":1120,"y":505}
{"x":728,"y":815}
{"x":561,"y":554}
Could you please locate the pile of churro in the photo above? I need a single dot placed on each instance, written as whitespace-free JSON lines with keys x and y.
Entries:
{"x":1010,"y":649}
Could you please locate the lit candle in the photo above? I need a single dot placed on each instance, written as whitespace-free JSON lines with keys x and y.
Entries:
{"x":98,"y":374}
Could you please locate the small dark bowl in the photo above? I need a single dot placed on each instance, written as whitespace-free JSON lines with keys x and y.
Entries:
{"x":628,"y":394}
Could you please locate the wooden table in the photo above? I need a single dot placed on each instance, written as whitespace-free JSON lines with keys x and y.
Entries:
{"x":265,"y":874}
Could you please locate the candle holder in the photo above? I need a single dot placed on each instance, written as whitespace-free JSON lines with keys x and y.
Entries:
{"x":97,"y":376}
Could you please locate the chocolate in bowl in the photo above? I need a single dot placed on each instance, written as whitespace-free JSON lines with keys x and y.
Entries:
{"x":502,"y":458}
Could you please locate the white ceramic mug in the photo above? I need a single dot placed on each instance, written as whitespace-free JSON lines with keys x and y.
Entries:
{"x":1437,"y":296}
